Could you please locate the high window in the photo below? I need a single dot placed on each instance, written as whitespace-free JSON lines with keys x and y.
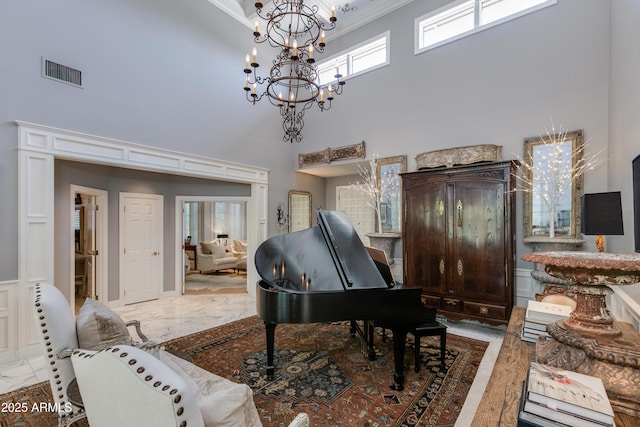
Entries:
{"x":464,"y":17}
{"x":366,"y":56}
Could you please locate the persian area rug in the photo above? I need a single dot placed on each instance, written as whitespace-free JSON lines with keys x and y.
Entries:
{"x":323,"y":371}
{"x":320,"y":370}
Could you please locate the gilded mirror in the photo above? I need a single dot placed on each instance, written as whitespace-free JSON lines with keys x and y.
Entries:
{"x":388,"y":170}
{"x":554,"y":190}
{"x":299,"y":210}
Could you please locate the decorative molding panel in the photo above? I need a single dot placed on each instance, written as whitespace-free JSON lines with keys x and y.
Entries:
{"x":95,"y":149}
{"x":459,"y":156}
{"x":328,"y":155}
{"x":8,"y":321}
{"x":526,"y":286}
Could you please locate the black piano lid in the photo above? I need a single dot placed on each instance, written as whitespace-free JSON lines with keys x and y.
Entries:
{"x":328,"y":257}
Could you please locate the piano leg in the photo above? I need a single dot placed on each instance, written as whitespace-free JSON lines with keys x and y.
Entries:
{"x":271,"y":335}
{"x":399,"y":341}
{"x":369,"y":329}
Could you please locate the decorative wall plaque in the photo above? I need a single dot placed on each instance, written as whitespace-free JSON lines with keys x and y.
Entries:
{"x":459,"y":156}
{"x":328,"y":155}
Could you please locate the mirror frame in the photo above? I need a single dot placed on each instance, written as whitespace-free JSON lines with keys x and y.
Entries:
{"x":299,"y":201}
{"x":577,"y":188}
{"x":402,"y":161}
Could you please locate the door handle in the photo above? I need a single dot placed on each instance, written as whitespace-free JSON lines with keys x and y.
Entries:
{"x":155,"y":253}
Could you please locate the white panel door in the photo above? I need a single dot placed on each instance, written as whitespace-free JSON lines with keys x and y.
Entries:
{"x":356,"y":204}
{"x":141,"y":240}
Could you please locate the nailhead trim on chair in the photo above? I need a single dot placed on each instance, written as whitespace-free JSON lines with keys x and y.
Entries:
{"x":177,"y":399}
{"x":76,"y":413}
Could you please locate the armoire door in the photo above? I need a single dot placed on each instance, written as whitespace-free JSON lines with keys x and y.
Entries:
{"x":478,"y":252}
{"x":428,"y":243}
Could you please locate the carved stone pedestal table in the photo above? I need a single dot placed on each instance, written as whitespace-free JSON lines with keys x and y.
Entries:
{"x":590,"y":341}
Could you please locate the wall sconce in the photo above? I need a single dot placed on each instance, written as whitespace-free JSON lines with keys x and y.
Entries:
{"x":282,"y":218}
{"x":602,"y":215}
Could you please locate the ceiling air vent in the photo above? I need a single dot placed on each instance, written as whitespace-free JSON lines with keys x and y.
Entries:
{"x":61,"y":73}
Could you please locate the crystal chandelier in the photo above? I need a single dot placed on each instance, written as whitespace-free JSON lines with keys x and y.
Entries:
{"x":293,"y":83}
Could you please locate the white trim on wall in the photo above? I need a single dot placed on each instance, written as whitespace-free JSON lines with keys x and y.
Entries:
{"x":38,"y":147}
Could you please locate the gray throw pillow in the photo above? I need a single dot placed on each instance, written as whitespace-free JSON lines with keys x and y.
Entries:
{"x":98,"y":327}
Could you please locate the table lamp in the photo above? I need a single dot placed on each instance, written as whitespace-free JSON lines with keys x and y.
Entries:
{"x":602,"y":215}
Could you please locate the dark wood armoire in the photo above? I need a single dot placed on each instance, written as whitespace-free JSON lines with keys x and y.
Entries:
{"x":458,"y":239}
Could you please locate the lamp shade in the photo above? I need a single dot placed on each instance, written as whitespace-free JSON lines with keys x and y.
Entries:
{"x":602,"y":214}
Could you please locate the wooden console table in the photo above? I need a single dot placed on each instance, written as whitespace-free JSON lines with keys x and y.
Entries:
{"x":499,"y":404}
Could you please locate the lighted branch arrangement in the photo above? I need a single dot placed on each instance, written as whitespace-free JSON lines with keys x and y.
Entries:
{"x":556,"y":170}
{"x":378,"y":188}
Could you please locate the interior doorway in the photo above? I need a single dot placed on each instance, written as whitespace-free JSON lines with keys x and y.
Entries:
{"x":220,"y":219}
{"x":88,"y":217}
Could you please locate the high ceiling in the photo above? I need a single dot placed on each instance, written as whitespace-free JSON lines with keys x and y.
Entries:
{"x":350,"y":14}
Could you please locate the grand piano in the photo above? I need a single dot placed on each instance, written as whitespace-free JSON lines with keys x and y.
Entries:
{"x":325,"y":274}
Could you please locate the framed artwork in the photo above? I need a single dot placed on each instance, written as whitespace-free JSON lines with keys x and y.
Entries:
{"x":636,"y":201}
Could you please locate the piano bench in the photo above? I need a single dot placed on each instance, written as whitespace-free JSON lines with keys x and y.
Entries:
{"x":427,"y":330}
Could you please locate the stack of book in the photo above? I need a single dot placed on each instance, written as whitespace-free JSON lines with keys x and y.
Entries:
{"x":554,"y":397}
{"x":538,"y":316}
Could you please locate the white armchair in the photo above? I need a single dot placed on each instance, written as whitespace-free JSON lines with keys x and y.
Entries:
{"x":239,"y":249}
{"x":162,"y":391}
{"x":56,"y":329}
{"x":128,"y":385}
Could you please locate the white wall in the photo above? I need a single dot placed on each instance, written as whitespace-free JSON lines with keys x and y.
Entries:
{"x":624,"y":131}
{"x":624,"y":111}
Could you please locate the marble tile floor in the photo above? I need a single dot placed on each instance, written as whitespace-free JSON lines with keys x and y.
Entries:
{"x":169,"y":318}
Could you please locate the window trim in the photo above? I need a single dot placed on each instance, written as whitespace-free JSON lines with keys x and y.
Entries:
{"x":347,"y":52}
{"x":477,"y":28}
